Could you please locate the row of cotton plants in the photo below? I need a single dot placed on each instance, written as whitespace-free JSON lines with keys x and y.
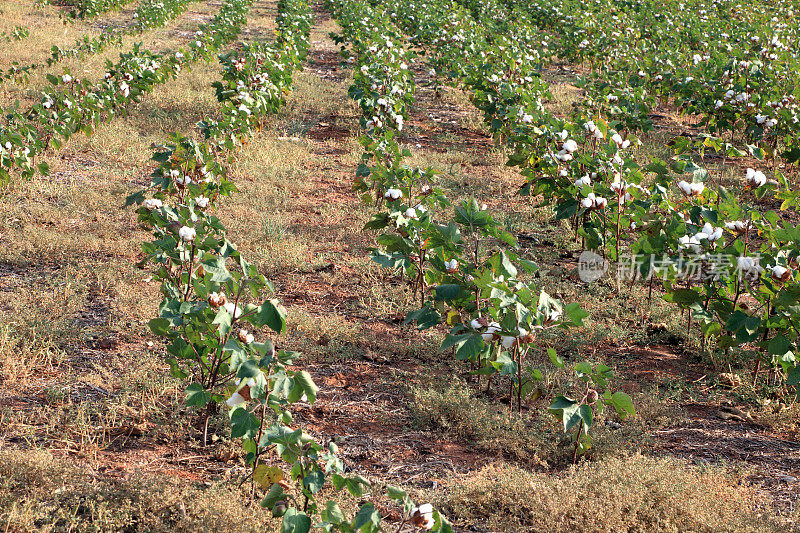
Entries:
{"x":463,"y":267}
{"x":73,"y":105}
{"x":711,"y":247}
{"x":86,"y":9}
{"x":149,"y":14}
{"x":212,"y":314}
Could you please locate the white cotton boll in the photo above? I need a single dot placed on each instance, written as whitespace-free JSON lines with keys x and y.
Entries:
{"x":688,"y":189}
{"x":393,"y":194}
{"x":755,"y":178}
{"x":570,"y":146}
{"x":692,"y":243}
{"x":564,"y":156}
{"x":202,"y":202}
{"x":411,"y":213}
{"x":66,"y":78}
{"x":748,"y":266}
{"x":187,"y":234}
{"x":451,"y":266}
{"x":234,"y":310}
{"x":236,"y":399}
{"x":152,"y":203}
{"x":527,"y":119}
{"x":247,"y":338}
{"x":737,"y":226}
{"x":583,"y":181}
{"x":780,"y":273}
{"x":508,"y":342}
{"x":475,"y":324}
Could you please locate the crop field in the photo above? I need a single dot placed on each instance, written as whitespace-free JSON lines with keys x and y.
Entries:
{"x":399,"y":265}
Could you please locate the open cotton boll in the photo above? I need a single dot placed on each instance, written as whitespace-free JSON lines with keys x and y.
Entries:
{"x":569,"y":146}
{"x":422,"y":516}
{"x":755,"y":178}
{"x":152,"y":203}
{"x":583,"y":181}
{"x":245,"y":336}
{"x":691,"y":189}
{"x":234,"y":310}
{"x":748,"y":266}
{"x":187,"y":234}
{"x":780,"y":273}
{"x":393,"y":194}
{"x":491,"y":332}
{"x":709,"y":232}
{"x":508,"y":342}
{"x":737,"y":226}
{"x":216,"y":300}
{"x":236,"y":399}
{"x":451,"y":266}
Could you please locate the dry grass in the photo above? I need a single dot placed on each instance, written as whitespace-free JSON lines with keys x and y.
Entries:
{"x":629,"y":493}
{"x":39,"y":492}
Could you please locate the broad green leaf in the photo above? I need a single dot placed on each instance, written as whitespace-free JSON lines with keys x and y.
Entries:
{"x":623,"y":404}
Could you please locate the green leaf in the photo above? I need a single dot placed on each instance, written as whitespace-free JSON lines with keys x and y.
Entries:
{"x":334,"y":514}
{"x":425,"y":318}
{"x":793,"y":376}
{"x":244,"y":424}
{"x":447,"y":292}
{"x":314,"y":481}
{"x":159,"y":326}
{"x":274,"y":495}
{"x":623,"y":404}
{"x":574,"y":312}
{"x":197,"y":396}
{"x":396,"y":493}
{"x":303,"y":380}
{"x":367,"y":518}
{"x":555,"y":358}
{"x":780,"y":345}
{"x":223,"y":319}
{"x":216,"y":266}
{"x":567,"y":409}
{"x":271,"y":313}
{"x":295,"y":521}
{"x":585,"y":412}
{"x":470,"y":348}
